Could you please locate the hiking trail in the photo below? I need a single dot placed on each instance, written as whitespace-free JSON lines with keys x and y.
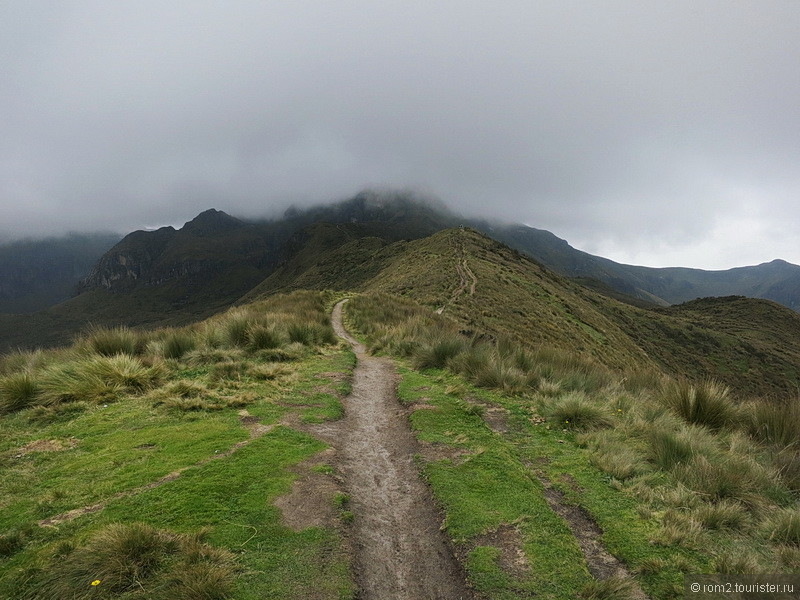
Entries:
{"x":400,"y":550}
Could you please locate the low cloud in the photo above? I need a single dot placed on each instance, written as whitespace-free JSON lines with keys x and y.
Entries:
{"x":654,"y":131}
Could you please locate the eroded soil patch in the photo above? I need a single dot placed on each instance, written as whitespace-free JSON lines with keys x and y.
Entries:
{"x":310,"y":503}
{"x":601,"y":563}
{"x":44,"y":446}
{"x":508,"y":540}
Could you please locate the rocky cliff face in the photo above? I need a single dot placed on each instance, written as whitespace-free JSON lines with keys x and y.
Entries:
{"x":132,"y":262}
{"x":208,"y":249}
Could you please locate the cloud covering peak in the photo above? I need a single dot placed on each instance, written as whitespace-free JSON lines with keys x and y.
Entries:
{"x":653,"y":132}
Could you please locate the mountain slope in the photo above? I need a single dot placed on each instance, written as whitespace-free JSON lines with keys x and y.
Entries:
{"x":777,"y":280}
{"x":752,"y":345}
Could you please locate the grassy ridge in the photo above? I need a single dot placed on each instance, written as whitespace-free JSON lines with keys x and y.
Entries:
{"x":210,"y":533}
{"x":750,"y":345}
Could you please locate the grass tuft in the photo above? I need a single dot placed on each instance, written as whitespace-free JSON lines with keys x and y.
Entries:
{"x":178,"y":343}
{"x":575,"y":411}
{"x":17,"y":392}
{"x":783,"y":526}
{"x":112,"y":341}
{"x":613,"y":588}
{"x":262,"y":337}
{"x":775,"y":423}
{"x":725,"y":514}
{"x":438,"y":351}
{"x":706,"y":404}
{"x":138,"y":561}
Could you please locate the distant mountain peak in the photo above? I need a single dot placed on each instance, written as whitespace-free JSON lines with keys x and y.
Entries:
{"x":212,"y":221}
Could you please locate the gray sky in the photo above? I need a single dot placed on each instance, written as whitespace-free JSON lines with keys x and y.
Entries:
{"x":650,"y":132}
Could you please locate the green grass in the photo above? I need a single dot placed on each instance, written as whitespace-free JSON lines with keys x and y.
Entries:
{"x":75,"y":448}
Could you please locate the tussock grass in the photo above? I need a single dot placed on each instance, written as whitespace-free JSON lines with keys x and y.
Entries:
{"x":177,"y":344}
{"x":680,"y":529}
{"x":263,"y":337}
{"x":613,"y":588}
{"x":789,"y":556}
{"x":97,"y":379}
{"x":290,"y":353}
{"x":783,"y":526}
{"x":740,"y":562}
{"x":576,"y":411}
{"x":472,"y":361}
{"x":787,"y":465}
{"x":208,"y":356}
{"x":11,"y":542}
{"x":116,"y":340}
{"x":235,"y":327}
{"x":725,"y":514}
{"x":668,"y":448}
{"x":732,"y":478}
{"x":57,"y":412}
{"x":17,"y":392}
{"x":310,"y":333}
{"x":707,"y":403}
{"x":228,"y":370}
{"x":776,"y":423}
{"x":135,"y":560}
{"x":436,"y":352}
{"x":621,"y":463}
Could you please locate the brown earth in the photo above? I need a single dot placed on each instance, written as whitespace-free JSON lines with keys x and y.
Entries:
{"x":400,"y":550}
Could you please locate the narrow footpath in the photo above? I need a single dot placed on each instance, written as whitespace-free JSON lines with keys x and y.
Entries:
{"x":401,"y":552}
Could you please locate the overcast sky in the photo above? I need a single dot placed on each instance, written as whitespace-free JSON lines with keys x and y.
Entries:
{"x":652,"y":132}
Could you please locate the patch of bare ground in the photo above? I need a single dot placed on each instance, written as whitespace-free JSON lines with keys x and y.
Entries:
{"x":310,"y":503}
{"x":335,"y":376}
{"x":496,"y":418}
{"x":433,"y":451}
{"x":421,"y":405}
{"x":44,"y":446}
{"x":400,"y":550}
{"x":601,"y":563}
{"x":508,"y":540}
{"x":251,"y":423}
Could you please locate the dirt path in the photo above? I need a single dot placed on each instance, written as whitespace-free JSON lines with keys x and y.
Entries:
{"x":401,"y":552}
{"x":467,"y":279}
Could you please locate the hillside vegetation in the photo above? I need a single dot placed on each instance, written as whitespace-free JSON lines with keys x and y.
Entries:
{"x":152,"y":464}
{"x":751,"y":345}
{"x":144,"y":465}
{"x":674,"y":477}
{"x":35,"y":274}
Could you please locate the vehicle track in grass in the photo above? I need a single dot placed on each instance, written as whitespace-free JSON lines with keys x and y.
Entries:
{"x":400,"y":550}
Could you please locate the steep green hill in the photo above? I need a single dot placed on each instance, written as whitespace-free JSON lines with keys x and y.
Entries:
{"x":751,"y":345}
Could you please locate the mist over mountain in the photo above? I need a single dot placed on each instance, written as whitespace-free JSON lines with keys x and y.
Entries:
{"x":619,"y":314}
{"x":35,"y":274}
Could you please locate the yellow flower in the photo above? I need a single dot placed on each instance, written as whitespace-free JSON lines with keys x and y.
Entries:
{"x":96,"y":582}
